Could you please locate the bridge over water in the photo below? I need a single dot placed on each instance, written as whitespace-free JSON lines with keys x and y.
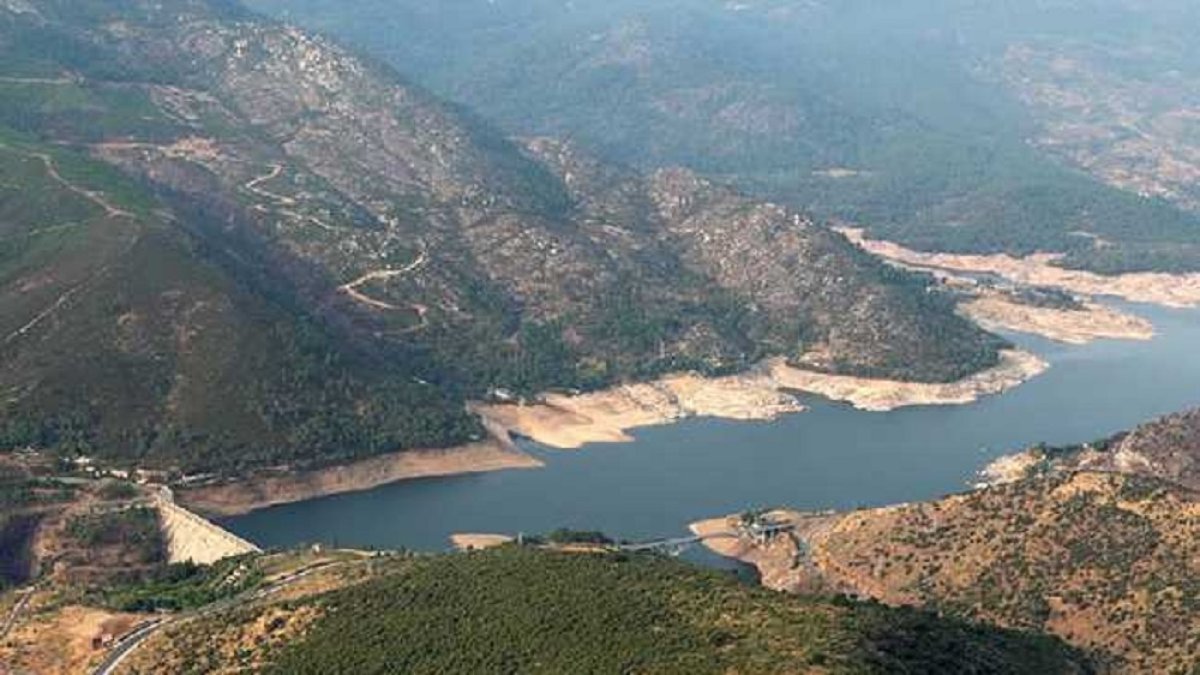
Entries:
{"x":677,"y":545}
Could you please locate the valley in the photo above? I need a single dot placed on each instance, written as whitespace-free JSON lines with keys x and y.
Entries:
{"x":422,"y":337}
{"x":657,"y":479}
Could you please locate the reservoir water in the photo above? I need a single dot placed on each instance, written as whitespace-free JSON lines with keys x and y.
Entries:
{"x":831,"y":457}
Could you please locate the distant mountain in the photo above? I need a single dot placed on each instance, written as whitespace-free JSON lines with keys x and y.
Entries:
{"x":921,"y":120}
{"x":227,"y":242}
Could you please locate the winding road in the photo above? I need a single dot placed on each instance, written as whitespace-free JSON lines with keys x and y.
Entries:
{"x":284,"y":204}
{"x":131,"y":641}
{"x":351,"y":289}
{"x":127,"y":644}
{"x":93,"y":196}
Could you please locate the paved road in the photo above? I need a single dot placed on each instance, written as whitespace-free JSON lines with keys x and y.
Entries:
{"x":688,"y":541}
{"x":13,"y":615}
{"x":128,"y":644}
{"x":135,"y":639}
{"x":670,"y":543}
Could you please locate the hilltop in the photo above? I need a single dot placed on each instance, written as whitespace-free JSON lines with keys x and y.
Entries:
{"x":1108,"y":563}
{"x":523,"y":610}
{"x":231,"y":244}
{"x":1096,"y":544}
{"x":1167,"y":449}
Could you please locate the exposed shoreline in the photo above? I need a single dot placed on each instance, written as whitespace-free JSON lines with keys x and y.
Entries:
{"x":570,"y":422}
{"x":993,"y":311}
{"x":1179,"y":291}
{"x":1015,"y":368}
{"x":781,"y":562}
{"x":797,"y":562}
{"x":764,"y":393}
{"x":479,"y":542}
{"x":252,"y":494}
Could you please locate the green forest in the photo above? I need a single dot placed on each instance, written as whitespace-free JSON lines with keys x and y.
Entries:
{"x":524,"y":610}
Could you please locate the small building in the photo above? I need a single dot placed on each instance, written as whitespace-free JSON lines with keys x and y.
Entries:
{"x":500,"y":395}
{"x":103,"y":641}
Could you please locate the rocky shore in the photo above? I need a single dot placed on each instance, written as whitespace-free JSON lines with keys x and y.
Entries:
{"x":1077,"y":326}
{"x":570,"y":422}
{"x":1169,"y":290}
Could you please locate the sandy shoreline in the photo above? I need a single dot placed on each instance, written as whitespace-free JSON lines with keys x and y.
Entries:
{"x":994,"y":311}
{"x":1015,"y":368}
{"x":797,"y":562}
{"x":570,"y":422}
{"x":1009,"y":469}
{"x":479,"y":542}
{"x":251,"y":494}
{"x":782,"y":562}
{"x":1169,"y":290}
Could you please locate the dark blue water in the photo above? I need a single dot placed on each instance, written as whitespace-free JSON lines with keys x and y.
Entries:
{"x":832,"y":457}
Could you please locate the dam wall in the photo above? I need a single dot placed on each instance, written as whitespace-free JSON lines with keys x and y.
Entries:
{"x":191,"y":538}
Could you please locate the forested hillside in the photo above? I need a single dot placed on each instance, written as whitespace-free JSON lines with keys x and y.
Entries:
{"x":524,"y":610}
{"x":231,"y":243}
{"x":131,"y":335}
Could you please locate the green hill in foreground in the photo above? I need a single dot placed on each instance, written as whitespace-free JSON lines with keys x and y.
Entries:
{"x":522,"y":610}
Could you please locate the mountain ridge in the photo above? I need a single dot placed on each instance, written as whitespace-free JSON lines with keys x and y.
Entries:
{"x":411,"y":257}
{"x":909,"y":120}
